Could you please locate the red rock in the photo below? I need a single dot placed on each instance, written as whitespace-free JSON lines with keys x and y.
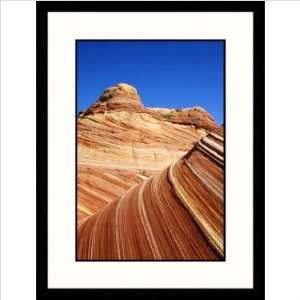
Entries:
{"x":122,"y":97}
{"x":196,"y":116}
{"x":121,"y":148}
{"x":178,"y":214}
{"x":121,"y":143}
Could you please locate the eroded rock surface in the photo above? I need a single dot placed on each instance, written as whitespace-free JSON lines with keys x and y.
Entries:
{"x":122,"y":97}
{"x":121,"y":143}
{"x":195,"y":116}
{"x":176,"y":214}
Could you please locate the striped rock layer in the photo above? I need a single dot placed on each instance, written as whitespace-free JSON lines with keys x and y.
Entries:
{"x":119,"y":149}
{"x":121,"y":143}
{"x":119,"y":97}
{"x":177,"y":214}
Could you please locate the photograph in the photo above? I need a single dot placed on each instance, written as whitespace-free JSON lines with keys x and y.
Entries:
{"x":150,"y":158}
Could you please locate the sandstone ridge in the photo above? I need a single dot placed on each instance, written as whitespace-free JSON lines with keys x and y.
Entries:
{"x":124,"y":97}
{"x":176,"y":214}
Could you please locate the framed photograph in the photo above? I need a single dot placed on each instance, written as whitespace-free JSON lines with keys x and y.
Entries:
{"x":150,"y":149}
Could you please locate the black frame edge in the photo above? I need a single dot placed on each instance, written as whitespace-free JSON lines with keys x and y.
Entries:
{"x":258,"y":8}
{"x":41,"y":149}
{"x":259,"y":150}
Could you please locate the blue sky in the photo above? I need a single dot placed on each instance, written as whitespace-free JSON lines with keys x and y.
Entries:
{"x":173,"y":74}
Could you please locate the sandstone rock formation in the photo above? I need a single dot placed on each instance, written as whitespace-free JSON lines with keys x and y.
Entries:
{"x":120,"y":97}
{"x":127,"y":151}
{"x":219,"y":130}
{"x":176,"y":214}
{"x":195,"y":116}
{"x":121,"y":143}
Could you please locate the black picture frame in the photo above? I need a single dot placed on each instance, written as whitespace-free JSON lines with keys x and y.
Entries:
{"x":258,"y":9}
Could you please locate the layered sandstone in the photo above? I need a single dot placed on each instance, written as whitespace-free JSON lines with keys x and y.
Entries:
{"x":176,"y":214}
{"x":196,"y":116}
{"x":121,"y":143}
{"x":122,"y":97}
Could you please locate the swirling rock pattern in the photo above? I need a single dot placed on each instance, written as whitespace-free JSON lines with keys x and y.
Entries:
{"x":120,"y":148}
{"x":141,"y":194}
{"x":177,"y":214}
{"x":121,"y":143}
